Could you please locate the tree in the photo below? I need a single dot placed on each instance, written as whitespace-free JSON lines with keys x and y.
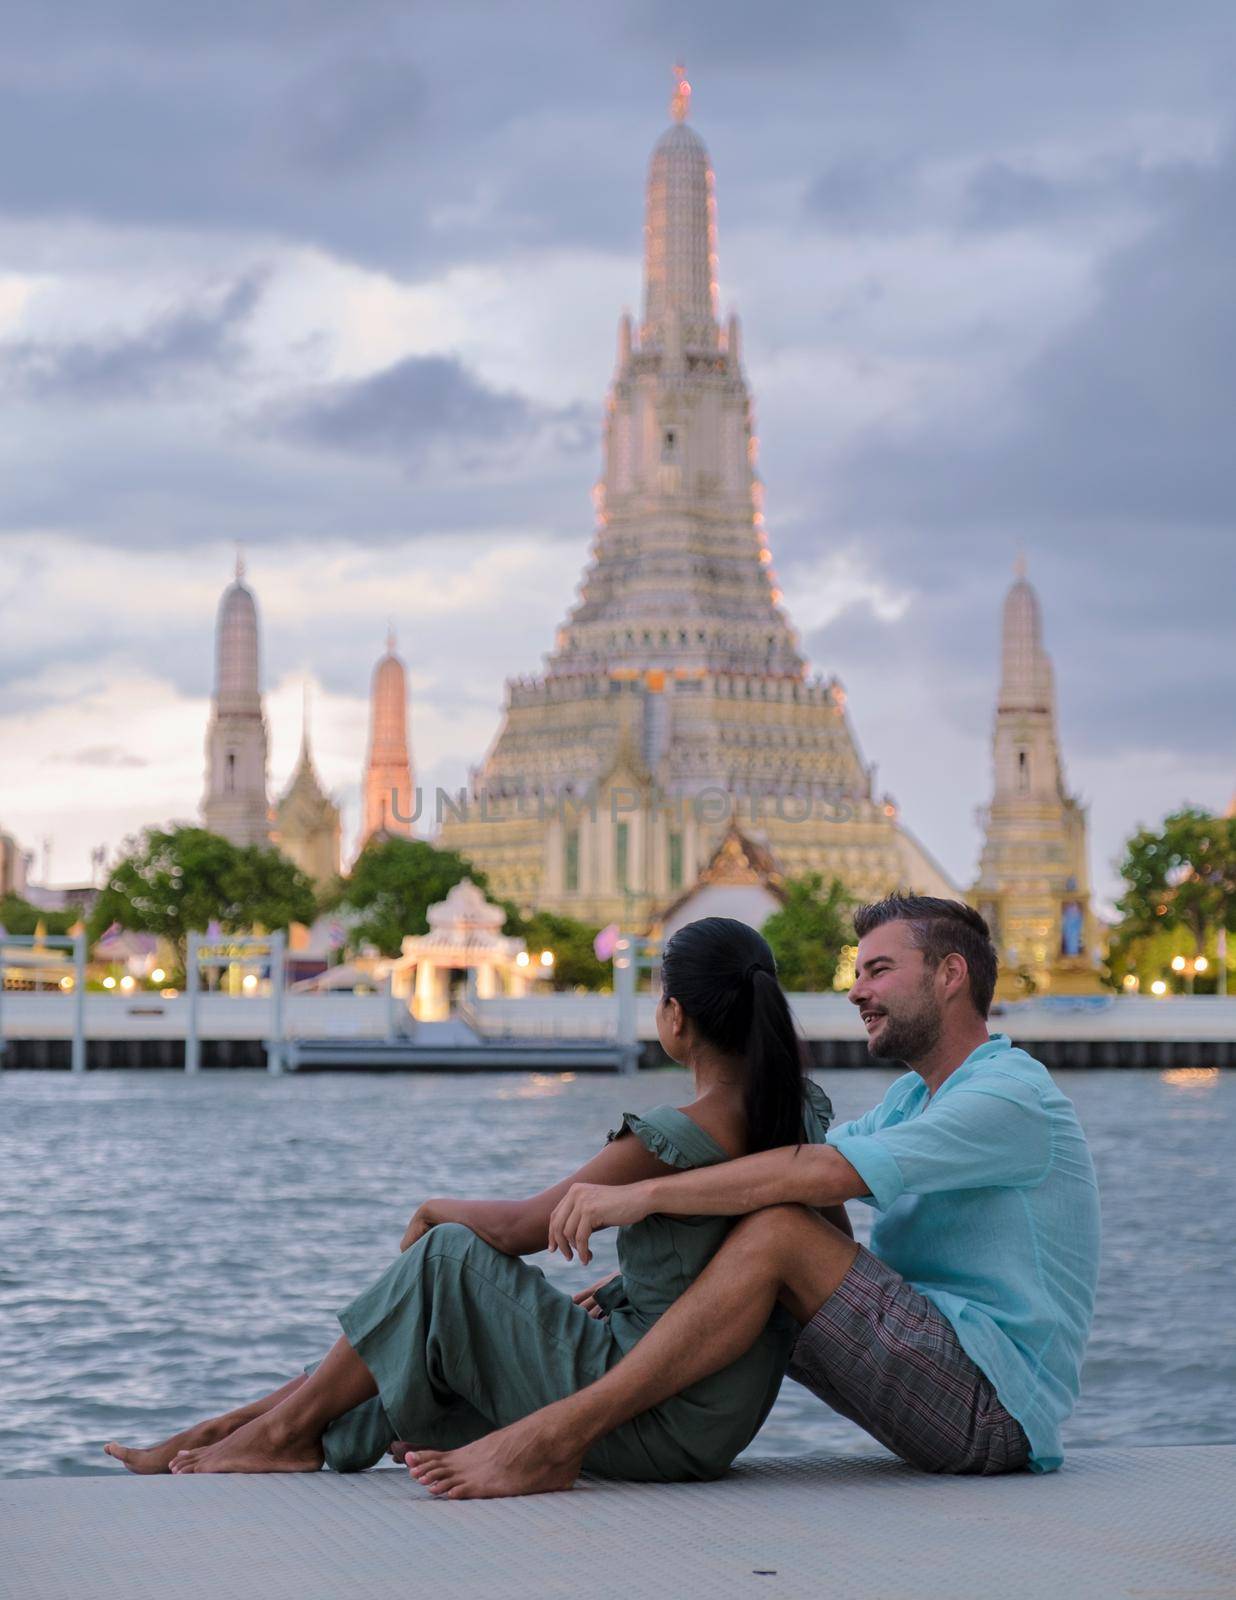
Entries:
{"x":575,"y":961}
{"x":177,"y":881}
{"x":18,"y":916}
{"x":1181,"y":876}
{"x":809,"y":932}
{"x":393,"y":884}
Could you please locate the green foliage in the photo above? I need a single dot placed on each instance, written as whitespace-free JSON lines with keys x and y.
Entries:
{"x":393,"y":884}
{"x":809,"y":932}
{"x":1180,"y":878}
{"x":177,"y":881}
{"x":18,"y":916}
{"x":575,"y":961}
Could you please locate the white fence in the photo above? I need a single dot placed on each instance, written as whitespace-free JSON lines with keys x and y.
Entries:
{"x":822,"y":1017}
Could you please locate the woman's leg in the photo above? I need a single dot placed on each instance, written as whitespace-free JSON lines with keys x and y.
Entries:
{"x":455,"y":1337}
{"x":158,"y":1457}
{"x":288,"y":1438}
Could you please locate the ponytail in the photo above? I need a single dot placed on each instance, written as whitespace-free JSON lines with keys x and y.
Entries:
{"x":724,"y":976}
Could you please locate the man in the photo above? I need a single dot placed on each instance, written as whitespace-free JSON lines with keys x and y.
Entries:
{"x":957,"y":1339}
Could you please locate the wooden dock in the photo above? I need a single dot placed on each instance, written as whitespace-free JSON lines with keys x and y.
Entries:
{"x":1143,"y":1523}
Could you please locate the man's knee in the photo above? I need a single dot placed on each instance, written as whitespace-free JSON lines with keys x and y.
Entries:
{"x":802,"y":1253}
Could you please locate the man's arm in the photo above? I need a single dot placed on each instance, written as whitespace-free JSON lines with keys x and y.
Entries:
{"x":810,"y":1174}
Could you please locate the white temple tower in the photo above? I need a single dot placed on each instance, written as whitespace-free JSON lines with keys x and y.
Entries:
{"x":387,"y":797}
{"x":235,"y":804}
{"x":1034,"y":882}
{"x":677,"y":697}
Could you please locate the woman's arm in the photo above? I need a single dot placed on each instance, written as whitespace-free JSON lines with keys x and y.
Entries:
{"x":808,"y":1174}
{"x":521,"y":1227}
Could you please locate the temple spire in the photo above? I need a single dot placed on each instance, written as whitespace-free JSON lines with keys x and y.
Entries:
{"x":235,"y":804}
{"x":680,"y":234}
{"x":680,"y":100}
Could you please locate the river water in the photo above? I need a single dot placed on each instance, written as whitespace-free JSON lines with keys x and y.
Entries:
{"x":170,"y":1246}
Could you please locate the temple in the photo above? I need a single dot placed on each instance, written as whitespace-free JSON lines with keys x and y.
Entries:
{"x":1033,"y":882}
{"x":307,"y":820}
{"x":235,"y":803}
{"x":386,"y":789}
{"x":677,"y":702}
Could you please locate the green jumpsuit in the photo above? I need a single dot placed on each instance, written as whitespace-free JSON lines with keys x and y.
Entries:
{"x":462,"y":1339}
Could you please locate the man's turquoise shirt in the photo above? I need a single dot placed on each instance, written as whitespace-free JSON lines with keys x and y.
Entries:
{"x":989,"y":1206}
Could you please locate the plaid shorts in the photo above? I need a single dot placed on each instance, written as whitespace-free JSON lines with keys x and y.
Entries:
{"x":881,"y":1354}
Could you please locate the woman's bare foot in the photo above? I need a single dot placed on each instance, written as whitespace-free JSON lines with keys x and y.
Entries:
{"x":399,"y":1450}
{"x":265,"y":1444}
{"x":158,"y":1458}
{"x":525,"y":1458}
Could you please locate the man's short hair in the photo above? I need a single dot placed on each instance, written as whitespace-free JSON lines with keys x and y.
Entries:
{"x":940,"y":928}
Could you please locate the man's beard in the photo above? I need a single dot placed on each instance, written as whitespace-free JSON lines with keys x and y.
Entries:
{"x":908,"y":1038}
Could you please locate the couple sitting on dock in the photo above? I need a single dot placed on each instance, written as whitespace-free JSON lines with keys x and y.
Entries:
{"x":956,"y":1340}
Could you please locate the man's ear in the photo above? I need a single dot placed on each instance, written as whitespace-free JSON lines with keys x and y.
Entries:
{"x":956,"y":972}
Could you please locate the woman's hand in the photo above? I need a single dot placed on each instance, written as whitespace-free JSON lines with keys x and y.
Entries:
{"x":588,"y":1297}
{"x":424,"y":1218}
{"x":585,"y":1207}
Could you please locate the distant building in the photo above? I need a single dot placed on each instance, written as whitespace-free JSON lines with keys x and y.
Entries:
{"x":1034,"y":879}
{"x":677,"y":700}
{"x":12,"y":867}
{"x":742,"y":881}
{"x":307,"y":820}
{"x":386,"y":792}
{"x":235,"y":804}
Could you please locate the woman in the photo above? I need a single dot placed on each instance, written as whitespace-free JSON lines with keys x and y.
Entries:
{"x":459,"y":1336}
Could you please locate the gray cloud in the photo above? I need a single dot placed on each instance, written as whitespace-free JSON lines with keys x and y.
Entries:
{"x":421,"y":402}
{"x":172,"y":351}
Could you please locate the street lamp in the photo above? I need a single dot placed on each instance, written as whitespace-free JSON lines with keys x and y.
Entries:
{"x":1158,"y":987}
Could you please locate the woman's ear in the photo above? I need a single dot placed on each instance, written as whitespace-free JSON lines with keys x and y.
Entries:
{"x":677,"y":1017}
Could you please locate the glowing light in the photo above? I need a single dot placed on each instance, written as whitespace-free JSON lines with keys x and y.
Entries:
{"x":1158,"y":987}
{"x":127,"y":983}
{"x":522,"y":959}
{"x":547,"y":958}
{"x":158,"y":975}
{"x":109,"y":983}
{"x":1201,"y":964}
{"x":1190,"y":1077}
{"x":1130,"y":981}
{"x":249,"y":982}
{"x":766,"y":555}
{"x":169,"y":994}
{"x":1178,"y":963}
{"x":66,"y":983}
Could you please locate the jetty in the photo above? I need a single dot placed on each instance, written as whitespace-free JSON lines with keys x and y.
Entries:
{"x":1144,"y":1523}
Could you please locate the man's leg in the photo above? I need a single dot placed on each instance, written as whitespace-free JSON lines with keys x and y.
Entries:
{"x":786,"y":1253}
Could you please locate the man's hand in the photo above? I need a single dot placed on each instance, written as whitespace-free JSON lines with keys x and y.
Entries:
{"x":588,"y":1297}
{"x":588,"y":1206}
{"x":423,"y":1219}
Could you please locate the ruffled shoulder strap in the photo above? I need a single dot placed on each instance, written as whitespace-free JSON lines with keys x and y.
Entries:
{"x":817,"y":1112}
{"x":672,"y":1136}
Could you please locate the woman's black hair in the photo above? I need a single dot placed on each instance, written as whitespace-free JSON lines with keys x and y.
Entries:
{"x":723,"y":975}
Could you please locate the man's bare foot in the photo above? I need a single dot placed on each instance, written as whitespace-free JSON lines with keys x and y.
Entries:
{"x":263,"y":1445}
{"x":525,"y":1458}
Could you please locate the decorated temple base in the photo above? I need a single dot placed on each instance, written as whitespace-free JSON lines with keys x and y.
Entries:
{"x":1148,"y":1522}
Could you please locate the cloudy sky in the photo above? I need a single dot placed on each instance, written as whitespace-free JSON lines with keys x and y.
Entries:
{"x":340,"y":283}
